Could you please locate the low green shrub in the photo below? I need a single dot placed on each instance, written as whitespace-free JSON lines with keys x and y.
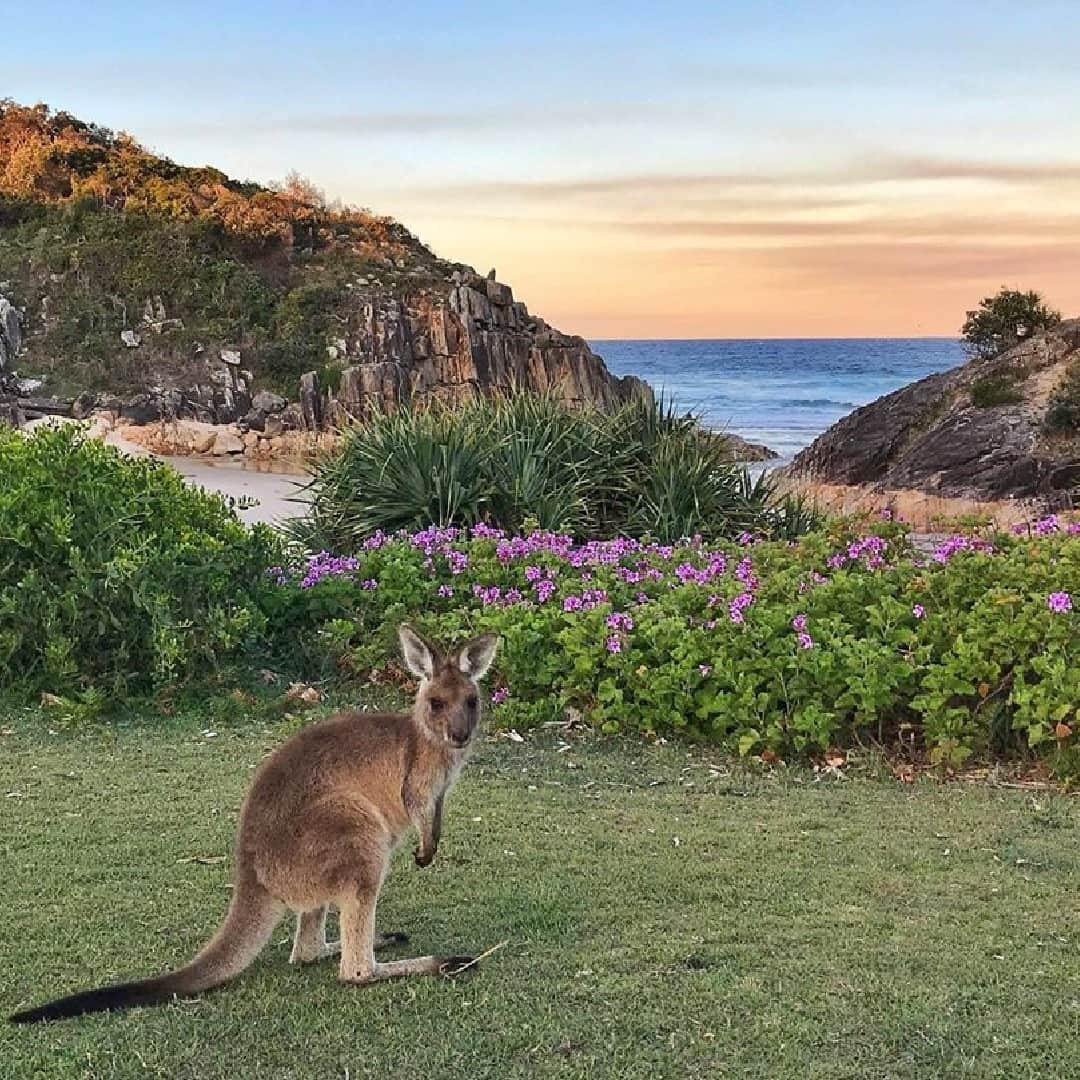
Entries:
{"x":1063,"y":414}
{"x":761,"y":647}
{"x":993,"y":390}
{"x":508,"y":461}
{"x":116,"y":577}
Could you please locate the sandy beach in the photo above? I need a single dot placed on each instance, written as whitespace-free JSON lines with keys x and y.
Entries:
{"x":275,"y":493}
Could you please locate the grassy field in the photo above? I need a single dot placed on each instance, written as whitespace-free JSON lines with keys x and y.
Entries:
{"x":667,"y":916}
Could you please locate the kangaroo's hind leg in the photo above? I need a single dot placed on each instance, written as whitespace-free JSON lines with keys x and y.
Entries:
{"x":309,"y":942}
{"x":358,"y":963}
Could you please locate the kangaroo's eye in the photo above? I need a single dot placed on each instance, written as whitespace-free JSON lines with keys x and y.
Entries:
{"x":437,"y":704}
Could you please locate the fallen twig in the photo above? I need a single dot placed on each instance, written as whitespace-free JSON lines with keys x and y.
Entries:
{"x":483,"y":956}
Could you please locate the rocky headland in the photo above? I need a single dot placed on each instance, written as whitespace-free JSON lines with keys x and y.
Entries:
{"x":227,"y":317}
{"x":1006,"y":428}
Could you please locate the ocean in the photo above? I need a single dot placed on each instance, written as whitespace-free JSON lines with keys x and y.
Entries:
{"x":782,"y":392}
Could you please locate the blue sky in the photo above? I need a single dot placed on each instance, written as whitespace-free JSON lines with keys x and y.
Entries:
{"x":634,"y":169}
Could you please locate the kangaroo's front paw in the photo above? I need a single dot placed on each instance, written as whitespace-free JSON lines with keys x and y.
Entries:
{"x":449,"y":966}
{"x":423,"y":858}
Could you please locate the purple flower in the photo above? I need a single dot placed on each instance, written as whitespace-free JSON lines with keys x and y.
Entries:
{"x":948,"y":548}
{"x":369,"y":583}
{"x":572,"y":603}
{"x":445,"y":591}
{"x":745,"y":573}
{"x":500,"y":695}
{"x":705,"y":669}
{"x":806,"y":641}
{"x":799,"y":623}
{"x":326,"y":565}
{"x":738,"y":606}
{"x":487,"y":594}
{"x":1059,"y":602}
{"x":617,"y":620}
{"x":1047,"y":525}
{"x":613,"y":644}
{"x":544,"y":590}
{"x":918,"y":611}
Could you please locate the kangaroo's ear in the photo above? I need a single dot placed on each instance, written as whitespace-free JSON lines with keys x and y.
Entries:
{"x":475,"y":657}
{"x":418,"y":654}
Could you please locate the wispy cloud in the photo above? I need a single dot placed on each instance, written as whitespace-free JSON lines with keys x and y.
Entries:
{"x":855,"y":173}
{"x":1004,"y":172}
{"x":468,"y":117}
{"x":1060,"y":230}
{"x":873,"y":265}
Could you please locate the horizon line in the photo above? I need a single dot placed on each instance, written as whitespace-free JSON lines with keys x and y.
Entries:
{"x":792,"y":337}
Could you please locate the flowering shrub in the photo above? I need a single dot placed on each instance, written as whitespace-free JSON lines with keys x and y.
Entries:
{"x":758,"y":646}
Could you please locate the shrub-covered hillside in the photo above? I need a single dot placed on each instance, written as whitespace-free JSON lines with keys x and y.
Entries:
{"x":98,"y":235}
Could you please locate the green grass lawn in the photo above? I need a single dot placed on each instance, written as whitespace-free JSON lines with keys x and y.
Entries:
{"x":668,"y":915}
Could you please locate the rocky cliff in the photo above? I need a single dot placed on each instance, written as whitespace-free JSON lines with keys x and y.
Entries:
{"x":1001,"y":428}
{"x":131,"y":284}
{"x":448,"y":346}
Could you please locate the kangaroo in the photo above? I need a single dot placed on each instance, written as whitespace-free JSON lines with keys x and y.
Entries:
{"x":321,"y":819}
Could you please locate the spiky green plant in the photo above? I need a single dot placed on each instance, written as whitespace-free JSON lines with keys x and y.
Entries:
{"x":517,"y":458}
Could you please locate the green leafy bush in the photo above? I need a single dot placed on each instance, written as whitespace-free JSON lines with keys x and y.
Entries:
{"x":1003,"y":320}
{"x":641,"y":469}
{"x":116,"y":577}
{"x":761,"y":647}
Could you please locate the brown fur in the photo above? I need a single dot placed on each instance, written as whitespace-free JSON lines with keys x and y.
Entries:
{"x":319,"y":824}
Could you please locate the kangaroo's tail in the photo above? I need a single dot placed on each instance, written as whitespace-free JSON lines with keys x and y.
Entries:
{"x":251,"y":918}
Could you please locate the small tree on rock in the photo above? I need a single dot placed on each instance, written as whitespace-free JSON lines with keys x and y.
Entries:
{"x":1003,"y":320}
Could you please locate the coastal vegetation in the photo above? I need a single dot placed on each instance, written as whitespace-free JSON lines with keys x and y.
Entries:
{"x":119,"y":582}
{"x":1005,"y":319}
{"x":117,"y":577}
{"x":1063,"y":415}
{"x":640,"y":469}
{"x":99,"y":236}
{"x":717,"y":675}
{"x":994,"y":390}
{"x":773,"y":649}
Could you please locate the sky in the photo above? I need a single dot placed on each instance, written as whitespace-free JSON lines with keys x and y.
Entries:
{"x":679,"y":170}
